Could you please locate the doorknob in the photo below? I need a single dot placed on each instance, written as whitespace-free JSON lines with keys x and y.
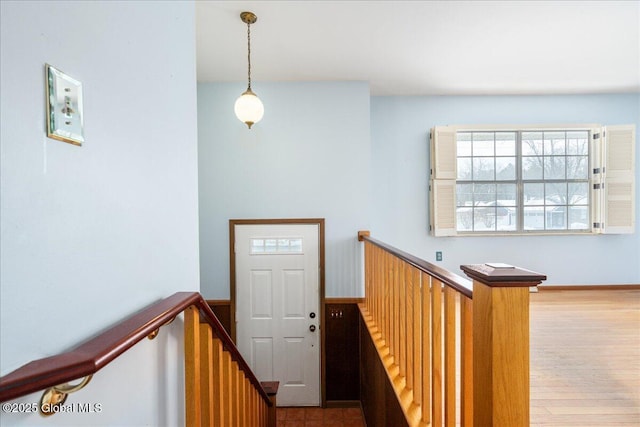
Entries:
{"x":312,"y":328}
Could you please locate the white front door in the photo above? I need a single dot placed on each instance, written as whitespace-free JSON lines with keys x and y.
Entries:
{"x":277,"y":307}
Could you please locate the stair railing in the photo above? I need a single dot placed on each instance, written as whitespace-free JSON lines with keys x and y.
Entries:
{"x":220,"y":388}
{"x":455,"y":352}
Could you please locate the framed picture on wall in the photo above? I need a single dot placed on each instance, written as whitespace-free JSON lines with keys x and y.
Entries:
{"x":64,"y":107}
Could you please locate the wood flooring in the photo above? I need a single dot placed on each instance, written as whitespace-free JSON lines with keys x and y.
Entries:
{"x":585,"y":363}
{"x":585,"y":358}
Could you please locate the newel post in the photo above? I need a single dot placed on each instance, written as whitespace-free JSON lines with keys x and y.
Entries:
{"x":501,"y":344}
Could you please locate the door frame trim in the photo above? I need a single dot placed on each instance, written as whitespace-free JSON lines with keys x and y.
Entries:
{"x":232,"y":281}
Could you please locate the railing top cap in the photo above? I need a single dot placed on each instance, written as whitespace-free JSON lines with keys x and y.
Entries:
{"x":502,"y":275}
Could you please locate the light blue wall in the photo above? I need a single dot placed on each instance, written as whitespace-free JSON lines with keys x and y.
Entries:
{"x":92,"y":234}
{"x":308,"y":157}
{"x":400,"y":165}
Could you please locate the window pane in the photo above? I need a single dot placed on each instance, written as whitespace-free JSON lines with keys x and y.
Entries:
{"x":554,"y":167}
{"x":484,"y":219}
{"x":534,"y":218}
{"x":257,"y":246}
{"x":484,"y":193}
{"x":464,"y":194}
{"x":464,"y":168}
{"x":556,"y":217}
{"x":465,"y":219}
{"x":270,"y":245}
{"x":578,"y":218}
{"x":483,"y":144}
{"x":505,"y":143}
{"x":554,"y":143}
{"x":555,"y":194}
{"x":483,"y":169}
{"x":295,"y":245}
{"x":577,"y":167}
{"x":578,"y":143}
{"x":506,"y":194}
{"x":531,"y":143}
{"x":578,"y":193}
{"x":506,"y":219}
{"x":533,"y":194}
{"x":505,"y":168}
{"x":283,"y":245}
{"x":464,"y":144}
{"x":532,"y":167}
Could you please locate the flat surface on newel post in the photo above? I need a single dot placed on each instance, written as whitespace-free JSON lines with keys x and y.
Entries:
{"x":502,"y":275}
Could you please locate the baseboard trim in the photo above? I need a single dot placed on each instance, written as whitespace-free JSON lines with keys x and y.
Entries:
{"x":343,"y":300}
{"x":218,"y":302}
{"x":343,"y":404}
{"x":588,"y":287}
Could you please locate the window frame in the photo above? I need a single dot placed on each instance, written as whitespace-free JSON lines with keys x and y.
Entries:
{"x":519,"y":181}
{"x":443,"y":178}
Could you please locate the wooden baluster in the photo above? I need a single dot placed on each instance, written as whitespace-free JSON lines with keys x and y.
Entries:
{"x":192,"y":367}
{"x":409,"y":295}
{"x":427,"y":410}
{"x":449,"y":357}
{"x":258,"y":408}
{"x":227,"y":389}
{"x":379,"y":294}
{"x":402,"y":317}
{"x":206,"y":373}
{"x":387,"y":297}
{"x":218,"y":386}
{"x":417,"y":342}
{"x":239,"y":395}
{"x":501,"y":344}
{"x":436,"y":352}
{"x":253,"y":419}
{"x":412,"y":331}
{"x":391,"y":304}
{"x":246,"y":405}
{"x":466,"y":361}
{"x":368,"y":277}
{"x":253,"y":405}
{"x":395,"y":313}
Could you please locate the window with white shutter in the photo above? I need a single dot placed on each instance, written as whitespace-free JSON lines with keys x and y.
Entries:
{"x":532,"y":179}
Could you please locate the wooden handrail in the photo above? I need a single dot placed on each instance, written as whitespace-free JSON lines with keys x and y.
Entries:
{"x":93,"y":355}
{"x":423,"y":320}
{"x":459,"y":283}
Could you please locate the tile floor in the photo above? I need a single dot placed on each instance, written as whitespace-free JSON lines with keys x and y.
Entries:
{"x":318,"y":417}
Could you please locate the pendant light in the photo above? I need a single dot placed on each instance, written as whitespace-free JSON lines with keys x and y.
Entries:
{"x":248,"y":107}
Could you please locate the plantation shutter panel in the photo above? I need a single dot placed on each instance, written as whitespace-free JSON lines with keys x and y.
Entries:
{"x":619,"y":180}
{"x":444,"y":153}
{"x":443,"y":182}
{"x":444,"y":200}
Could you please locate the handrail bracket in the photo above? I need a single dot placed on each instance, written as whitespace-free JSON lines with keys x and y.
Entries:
{"x":55,"y":396}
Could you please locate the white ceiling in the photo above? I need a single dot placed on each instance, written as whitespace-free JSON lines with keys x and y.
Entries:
{"x":427,"y":47}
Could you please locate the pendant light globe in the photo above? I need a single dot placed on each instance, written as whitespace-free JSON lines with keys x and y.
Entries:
{"x":249,"y":108}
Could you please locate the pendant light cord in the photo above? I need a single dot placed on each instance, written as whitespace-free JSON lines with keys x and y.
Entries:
{"x":249,"y":54}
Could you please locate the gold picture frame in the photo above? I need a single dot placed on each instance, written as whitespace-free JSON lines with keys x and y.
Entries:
{"x":64,"y":107}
